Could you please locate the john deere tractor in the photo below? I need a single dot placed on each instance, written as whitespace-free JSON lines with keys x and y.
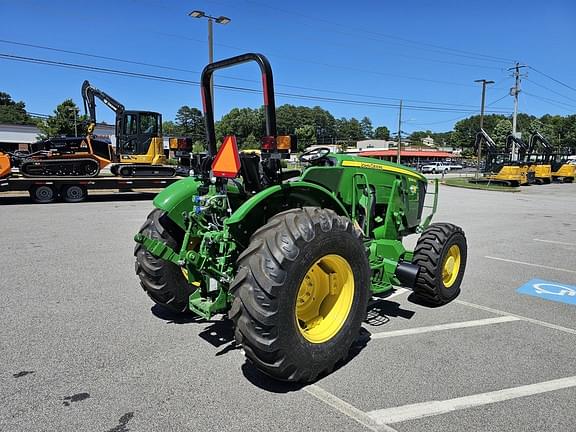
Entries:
{"x":291,"y":257}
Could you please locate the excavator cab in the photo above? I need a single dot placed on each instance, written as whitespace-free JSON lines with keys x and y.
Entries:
{"x":560,"y":169}
{"x":139,"y":143}
{"x":139,"y":135}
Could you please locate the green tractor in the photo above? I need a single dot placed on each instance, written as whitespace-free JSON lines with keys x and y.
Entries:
{"x":293,"y":258}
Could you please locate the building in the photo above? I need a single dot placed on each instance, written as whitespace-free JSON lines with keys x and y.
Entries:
{"x":412,"y":156}
{"x":18,"y":137}
{"x":373,"y":144}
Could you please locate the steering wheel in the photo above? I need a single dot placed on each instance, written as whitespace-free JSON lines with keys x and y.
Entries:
{"x":314,"y":155}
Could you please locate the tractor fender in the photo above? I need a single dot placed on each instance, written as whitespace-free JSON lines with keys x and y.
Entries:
{"x":177,"y":199}
{"x":256,"y":211}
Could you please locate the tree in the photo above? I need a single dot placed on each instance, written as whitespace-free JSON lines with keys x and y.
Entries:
{"x":367,"y":129}
{"x":12,"y":112}
{"x":348,"y":131}
{"x":62,"y":122}
{"x":242,"y":122}
{"x":501,"y":131}
{"x":417,"y":137}
{"x":170,"y":128}
{"x":382,"y":133}
{"x":190,"y":123}
{"x":306,"y":136}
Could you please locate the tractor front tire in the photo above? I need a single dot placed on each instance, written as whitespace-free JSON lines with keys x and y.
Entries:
{"x":301,"y":293}
{"x":441,"y":255}
{"x":162,"y":280}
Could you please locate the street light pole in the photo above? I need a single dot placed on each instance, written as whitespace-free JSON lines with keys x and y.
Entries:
{"x":484,"y":83}
{"x":219,"y":20}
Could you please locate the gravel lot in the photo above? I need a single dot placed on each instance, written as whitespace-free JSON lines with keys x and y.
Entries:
{"x":83,"y":348}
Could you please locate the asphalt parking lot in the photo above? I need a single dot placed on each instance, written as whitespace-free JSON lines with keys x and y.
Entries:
{"x":84,"y":349}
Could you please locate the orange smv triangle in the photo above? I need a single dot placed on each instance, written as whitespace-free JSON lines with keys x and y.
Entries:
{"x":227,"y":161}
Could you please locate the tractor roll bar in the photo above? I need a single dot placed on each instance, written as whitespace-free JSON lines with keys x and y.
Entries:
{"x":267,"y":85}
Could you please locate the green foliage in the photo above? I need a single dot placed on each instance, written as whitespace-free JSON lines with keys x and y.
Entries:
{"x":12,"y":112}
{"x":242,"y":122}
{"x":417,"y":137}
{"x":502,"y":129}
{"x":367,"y":129}
{"x":62,"y":122}
{"x":382,"y":133}
{"x":170,"y":128}
{"x":349,"y":131}
{"x":306,"y":137}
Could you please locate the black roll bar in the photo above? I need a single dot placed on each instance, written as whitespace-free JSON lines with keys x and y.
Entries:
{"x":267,"y":85}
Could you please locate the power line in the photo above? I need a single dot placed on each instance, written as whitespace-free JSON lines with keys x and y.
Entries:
{"x":225,"y":87}
{"x":556,"y":103}
{"x":339,"y":67}
{"x":461,"y":117}
{"x":553,"y":79}
{"x":550,"y":90}
{"x":223,"y":76}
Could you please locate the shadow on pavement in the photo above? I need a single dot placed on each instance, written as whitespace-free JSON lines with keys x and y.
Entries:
{"x":104,"y":197}
{"x":264,"y":382}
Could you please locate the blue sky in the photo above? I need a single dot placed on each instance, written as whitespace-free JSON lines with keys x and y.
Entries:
{"x":366,"y":54}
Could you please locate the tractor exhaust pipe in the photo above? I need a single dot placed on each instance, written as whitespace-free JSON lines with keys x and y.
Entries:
{"x":407,"y":273}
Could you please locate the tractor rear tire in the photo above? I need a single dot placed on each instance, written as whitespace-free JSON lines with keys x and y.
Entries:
{"x":162,"y":280}
{"x":441,"y":254}
{"x":301,"y":293}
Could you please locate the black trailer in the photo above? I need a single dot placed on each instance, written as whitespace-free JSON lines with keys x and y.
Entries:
{"x":75,"y":189}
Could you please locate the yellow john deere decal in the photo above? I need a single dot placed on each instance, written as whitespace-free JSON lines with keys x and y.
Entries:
{"x":380,"y":167}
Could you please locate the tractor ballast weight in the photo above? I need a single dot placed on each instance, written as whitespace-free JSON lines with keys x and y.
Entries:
{"x":293,"y":262}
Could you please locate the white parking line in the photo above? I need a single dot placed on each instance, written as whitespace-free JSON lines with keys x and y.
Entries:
{"x":530,"y":264}
{"x":440,"y":327}
{"x":531,"y":320}
{"x":347,"y":409}
{"x":555,"y":242}
{"x":431,"y":408}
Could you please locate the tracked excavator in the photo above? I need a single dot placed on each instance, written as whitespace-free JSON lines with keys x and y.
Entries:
{"x":499,"y":169}
{"x":560,"y":168}
{"x":66,"y":157}
{"x":139,"y":146}
{"x":526,"y":166}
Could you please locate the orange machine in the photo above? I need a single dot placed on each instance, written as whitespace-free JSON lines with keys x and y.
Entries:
{"x":5,"y":167}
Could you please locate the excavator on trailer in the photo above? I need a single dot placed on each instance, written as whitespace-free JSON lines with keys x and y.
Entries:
{"x":66,"y":157}
{"x":561,"y":169}
{"x":499,"y":169}
{"x":139,"y":145}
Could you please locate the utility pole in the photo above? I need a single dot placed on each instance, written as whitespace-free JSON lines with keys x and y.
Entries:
{"x":399,"y":133}
{"x":75,"y":110}
{"x":484,"y":83}
{"x":514,"y":91}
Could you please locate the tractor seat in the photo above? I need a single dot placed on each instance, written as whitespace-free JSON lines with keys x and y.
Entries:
{"x":250,"y":171}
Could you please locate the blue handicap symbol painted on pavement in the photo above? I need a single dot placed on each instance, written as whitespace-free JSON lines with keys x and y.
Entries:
{"x":558,"y":292}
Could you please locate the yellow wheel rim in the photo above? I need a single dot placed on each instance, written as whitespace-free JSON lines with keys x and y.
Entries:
{"x":324,"y":298}
{"x":451,"y":266}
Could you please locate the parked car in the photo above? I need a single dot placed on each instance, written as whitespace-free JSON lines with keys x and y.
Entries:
{"x":435,"y":167}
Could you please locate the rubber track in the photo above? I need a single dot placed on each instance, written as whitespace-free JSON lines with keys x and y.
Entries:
{"x":47,"y":162}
